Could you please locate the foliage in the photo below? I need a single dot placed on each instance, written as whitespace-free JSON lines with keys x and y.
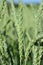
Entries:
{"x":21,"y":34}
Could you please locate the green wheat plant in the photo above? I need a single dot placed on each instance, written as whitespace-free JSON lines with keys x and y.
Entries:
{"x":21,"y":33}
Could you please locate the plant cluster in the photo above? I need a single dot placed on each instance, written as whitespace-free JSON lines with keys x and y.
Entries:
{"x":21,"y":34}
